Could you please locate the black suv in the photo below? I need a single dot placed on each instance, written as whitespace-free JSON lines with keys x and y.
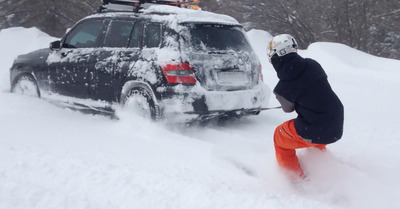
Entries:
{"x":162,"y":60}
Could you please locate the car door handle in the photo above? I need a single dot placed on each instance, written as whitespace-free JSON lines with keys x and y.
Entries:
{"x":83,"y":57}
{"x":64,"y":54}
{"x":125,"y":57}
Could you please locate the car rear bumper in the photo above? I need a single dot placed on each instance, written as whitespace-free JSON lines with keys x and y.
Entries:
{"x":203,"y":103}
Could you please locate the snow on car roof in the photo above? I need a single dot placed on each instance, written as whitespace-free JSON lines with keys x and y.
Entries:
{"x":175,"y":14}
{"x":190,"y":15}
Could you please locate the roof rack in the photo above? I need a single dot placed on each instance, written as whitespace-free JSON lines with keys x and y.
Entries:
{"x":136,"y":5}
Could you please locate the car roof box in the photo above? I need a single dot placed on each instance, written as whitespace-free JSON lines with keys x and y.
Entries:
{"x":119,"y":5}
{"x":136,"y":5}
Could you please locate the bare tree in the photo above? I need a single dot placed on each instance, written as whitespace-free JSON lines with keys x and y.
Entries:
{"x":51,"y":16}
{"x":368,"y":25}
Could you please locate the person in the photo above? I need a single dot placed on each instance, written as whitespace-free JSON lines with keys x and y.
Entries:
{"x":302,"y":87}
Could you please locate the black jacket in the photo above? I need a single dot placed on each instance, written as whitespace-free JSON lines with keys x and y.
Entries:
{"x":303,"y":86}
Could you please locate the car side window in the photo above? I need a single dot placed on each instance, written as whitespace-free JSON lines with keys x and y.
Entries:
{"x":84,"y":35}
{"x":118,"y":33}
{"x":152,"y":35}
{"x":136,"y":34}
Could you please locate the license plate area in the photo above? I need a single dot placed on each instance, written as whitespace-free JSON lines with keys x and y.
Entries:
{"x":232,"y":78}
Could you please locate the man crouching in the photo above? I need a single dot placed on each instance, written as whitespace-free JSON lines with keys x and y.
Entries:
{"x":303,"y":87}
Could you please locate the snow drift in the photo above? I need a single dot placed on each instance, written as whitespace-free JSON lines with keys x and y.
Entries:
{"x":58,"y":158}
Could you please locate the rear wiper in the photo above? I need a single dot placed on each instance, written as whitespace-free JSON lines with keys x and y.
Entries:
{"x":218,"y":52}
{"x":235,"y":67}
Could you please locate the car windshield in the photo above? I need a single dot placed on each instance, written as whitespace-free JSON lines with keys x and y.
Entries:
{"x":214,"y":38}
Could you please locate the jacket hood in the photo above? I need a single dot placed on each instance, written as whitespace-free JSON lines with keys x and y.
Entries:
{"x":289,"y":67}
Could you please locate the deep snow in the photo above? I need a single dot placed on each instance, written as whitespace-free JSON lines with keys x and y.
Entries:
{"x":58,"y":158}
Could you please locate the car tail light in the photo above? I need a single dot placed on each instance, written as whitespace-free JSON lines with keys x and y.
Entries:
{"x":179,"y":74}
{"x":260,"y":71}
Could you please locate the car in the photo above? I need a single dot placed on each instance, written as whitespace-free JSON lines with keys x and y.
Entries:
{"x":160,"y":60}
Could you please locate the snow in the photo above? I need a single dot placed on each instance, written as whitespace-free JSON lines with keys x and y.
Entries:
{"x":175,"y":14}
{"x":52,"y":157}
{"x":190,"y":15}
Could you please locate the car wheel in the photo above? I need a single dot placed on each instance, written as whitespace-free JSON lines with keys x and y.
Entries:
{"x":26,"y":85}
{"x":140,"y":101}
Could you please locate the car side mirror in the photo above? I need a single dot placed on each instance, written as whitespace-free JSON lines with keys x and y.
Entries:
{"x":55,"y":45}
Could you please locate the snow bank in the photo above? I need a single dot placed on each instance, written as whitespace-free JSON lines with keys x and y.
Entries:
{"x":16,"y":41}
{"x":352,"y":57}
{"x":57,"y":158}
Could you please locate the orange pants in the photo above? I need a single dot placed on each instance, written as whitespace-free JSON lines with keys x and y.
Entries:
{"x":286,"y":140}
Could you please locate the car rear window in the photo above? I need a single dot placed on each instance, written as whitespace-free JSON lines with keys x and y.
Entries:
{"x":211,"y":37}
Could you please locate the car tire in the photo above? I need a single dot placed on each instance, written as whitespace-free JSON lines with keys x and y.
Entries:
{"x":140,"y":100}
{"x":26,"y":85}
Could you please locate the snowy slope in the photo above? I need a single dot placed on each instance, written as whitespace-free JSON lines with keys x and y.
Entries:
{"x":57,"y":158}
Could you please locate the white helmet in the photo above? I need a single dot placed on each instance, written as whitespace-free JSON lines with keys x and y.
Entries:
{"x":282,"y":45}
